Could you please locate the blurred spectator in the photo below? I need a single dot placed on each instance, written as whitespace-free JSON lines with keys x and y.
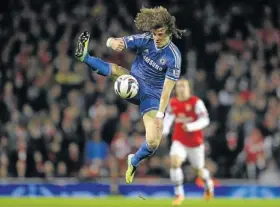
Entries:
{"x":21,"y":169}
{"x":120,"y":148}
{"x":39,"y":168}
{"x":74,"y":160}
{"x":254,"y":154}
{"x":4,"y":165}
{"x":200,"y":84}
{"x":61,"y":170}
{"x":49,"y":170}
{"x":96,"y":148}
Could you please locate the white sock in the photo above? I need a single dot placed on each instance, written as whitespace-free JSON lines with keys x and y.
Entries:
{"x":177,"y":177}
{"x":205,"y":175}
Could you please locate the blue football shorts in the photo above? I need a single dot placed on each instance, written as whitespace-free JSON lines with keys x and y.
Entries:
{"x":147,"y":98}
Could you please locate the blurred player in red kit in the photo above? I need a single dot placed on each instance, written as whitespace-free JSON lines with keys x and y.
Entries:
{"x":190,"y":116}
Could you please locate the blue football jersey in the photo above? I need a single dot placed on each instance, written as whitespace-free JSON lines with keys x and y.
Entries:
{"x":152,"y":64}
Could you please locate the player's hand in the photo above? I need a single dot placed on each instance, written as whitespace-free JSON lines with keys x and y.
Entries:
{"x":185,"y":128}
{"x":117,"y":44}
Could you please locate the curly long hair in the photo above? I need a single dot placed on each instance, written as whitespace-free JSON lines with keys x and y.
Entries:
{"x":154,"y":18}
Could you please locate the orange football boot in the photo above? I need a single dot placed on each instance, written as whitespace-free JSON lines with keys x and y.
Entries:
{"x":178,"y":200}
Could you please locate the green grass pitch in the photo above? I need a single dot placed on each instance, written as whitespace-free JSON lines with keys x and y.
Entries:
{"x":132,"y":202}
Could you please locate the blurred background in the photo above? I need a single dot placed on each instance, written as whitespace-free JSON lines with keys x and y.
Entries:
{"x":58,"y":119}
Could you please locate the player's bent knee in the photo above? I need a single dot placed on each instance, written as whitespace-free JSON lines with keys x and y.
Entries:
{"x":175,"y":161}
{"x":175,"y":165}
{"x":118,"y":70}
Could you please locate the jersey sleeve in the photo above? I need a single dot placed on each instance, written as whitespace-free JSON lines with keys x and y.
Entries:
{"x":135,"y":41}
{"x":200,"y":109}
{"x":202,"y":120}
{"x":174,"y":65}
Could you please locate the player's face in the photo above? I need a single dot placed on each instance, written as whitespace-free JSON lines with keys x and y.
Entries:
{"x":161,"y":38}
{"x":182,"y":89}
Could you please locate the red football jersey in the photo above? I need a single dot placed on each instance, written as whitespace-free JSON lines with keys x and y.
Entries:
{"x":193,"y":114}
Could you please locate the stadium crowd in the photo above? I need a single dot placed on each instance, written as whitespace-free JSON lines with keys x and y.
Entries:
{"x":58,"y":119}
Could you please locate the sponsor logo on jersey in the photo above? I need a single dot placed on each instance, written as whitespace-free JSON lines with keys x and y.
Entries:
{"x":152,"y":63}
{"x":183,"y":119}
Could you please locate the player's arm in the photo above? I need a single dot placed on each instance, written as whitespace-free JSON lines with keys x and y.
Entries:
{"x":165,"y":96}
{"x":129,"y":42}
{"x":202,"y":120}
{"x":168,"y":121}
{"x":171,"y":76}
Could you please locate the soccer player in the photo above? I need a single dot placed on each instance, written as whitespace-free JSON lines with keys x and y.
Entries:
{"x":156,"y":67}
{"x":190,"y":116}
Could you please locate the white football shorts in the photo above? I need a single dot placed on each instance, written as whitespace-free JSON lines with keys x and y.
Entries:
{"x":195,"y":155}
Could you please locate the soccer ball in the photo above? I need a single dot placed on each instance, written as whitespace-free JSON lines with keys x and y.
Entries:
{"x":126,"y":86}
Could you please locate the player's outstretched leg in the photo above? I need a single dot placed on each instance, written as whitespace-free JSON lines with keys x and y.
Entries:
{"x":177,"y":178}
{"x":197,"y":160}
{"x":101,"y":67}
{"x":204,"y":174}
{"x":81,"y":53}
{"x":147,"y":149}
